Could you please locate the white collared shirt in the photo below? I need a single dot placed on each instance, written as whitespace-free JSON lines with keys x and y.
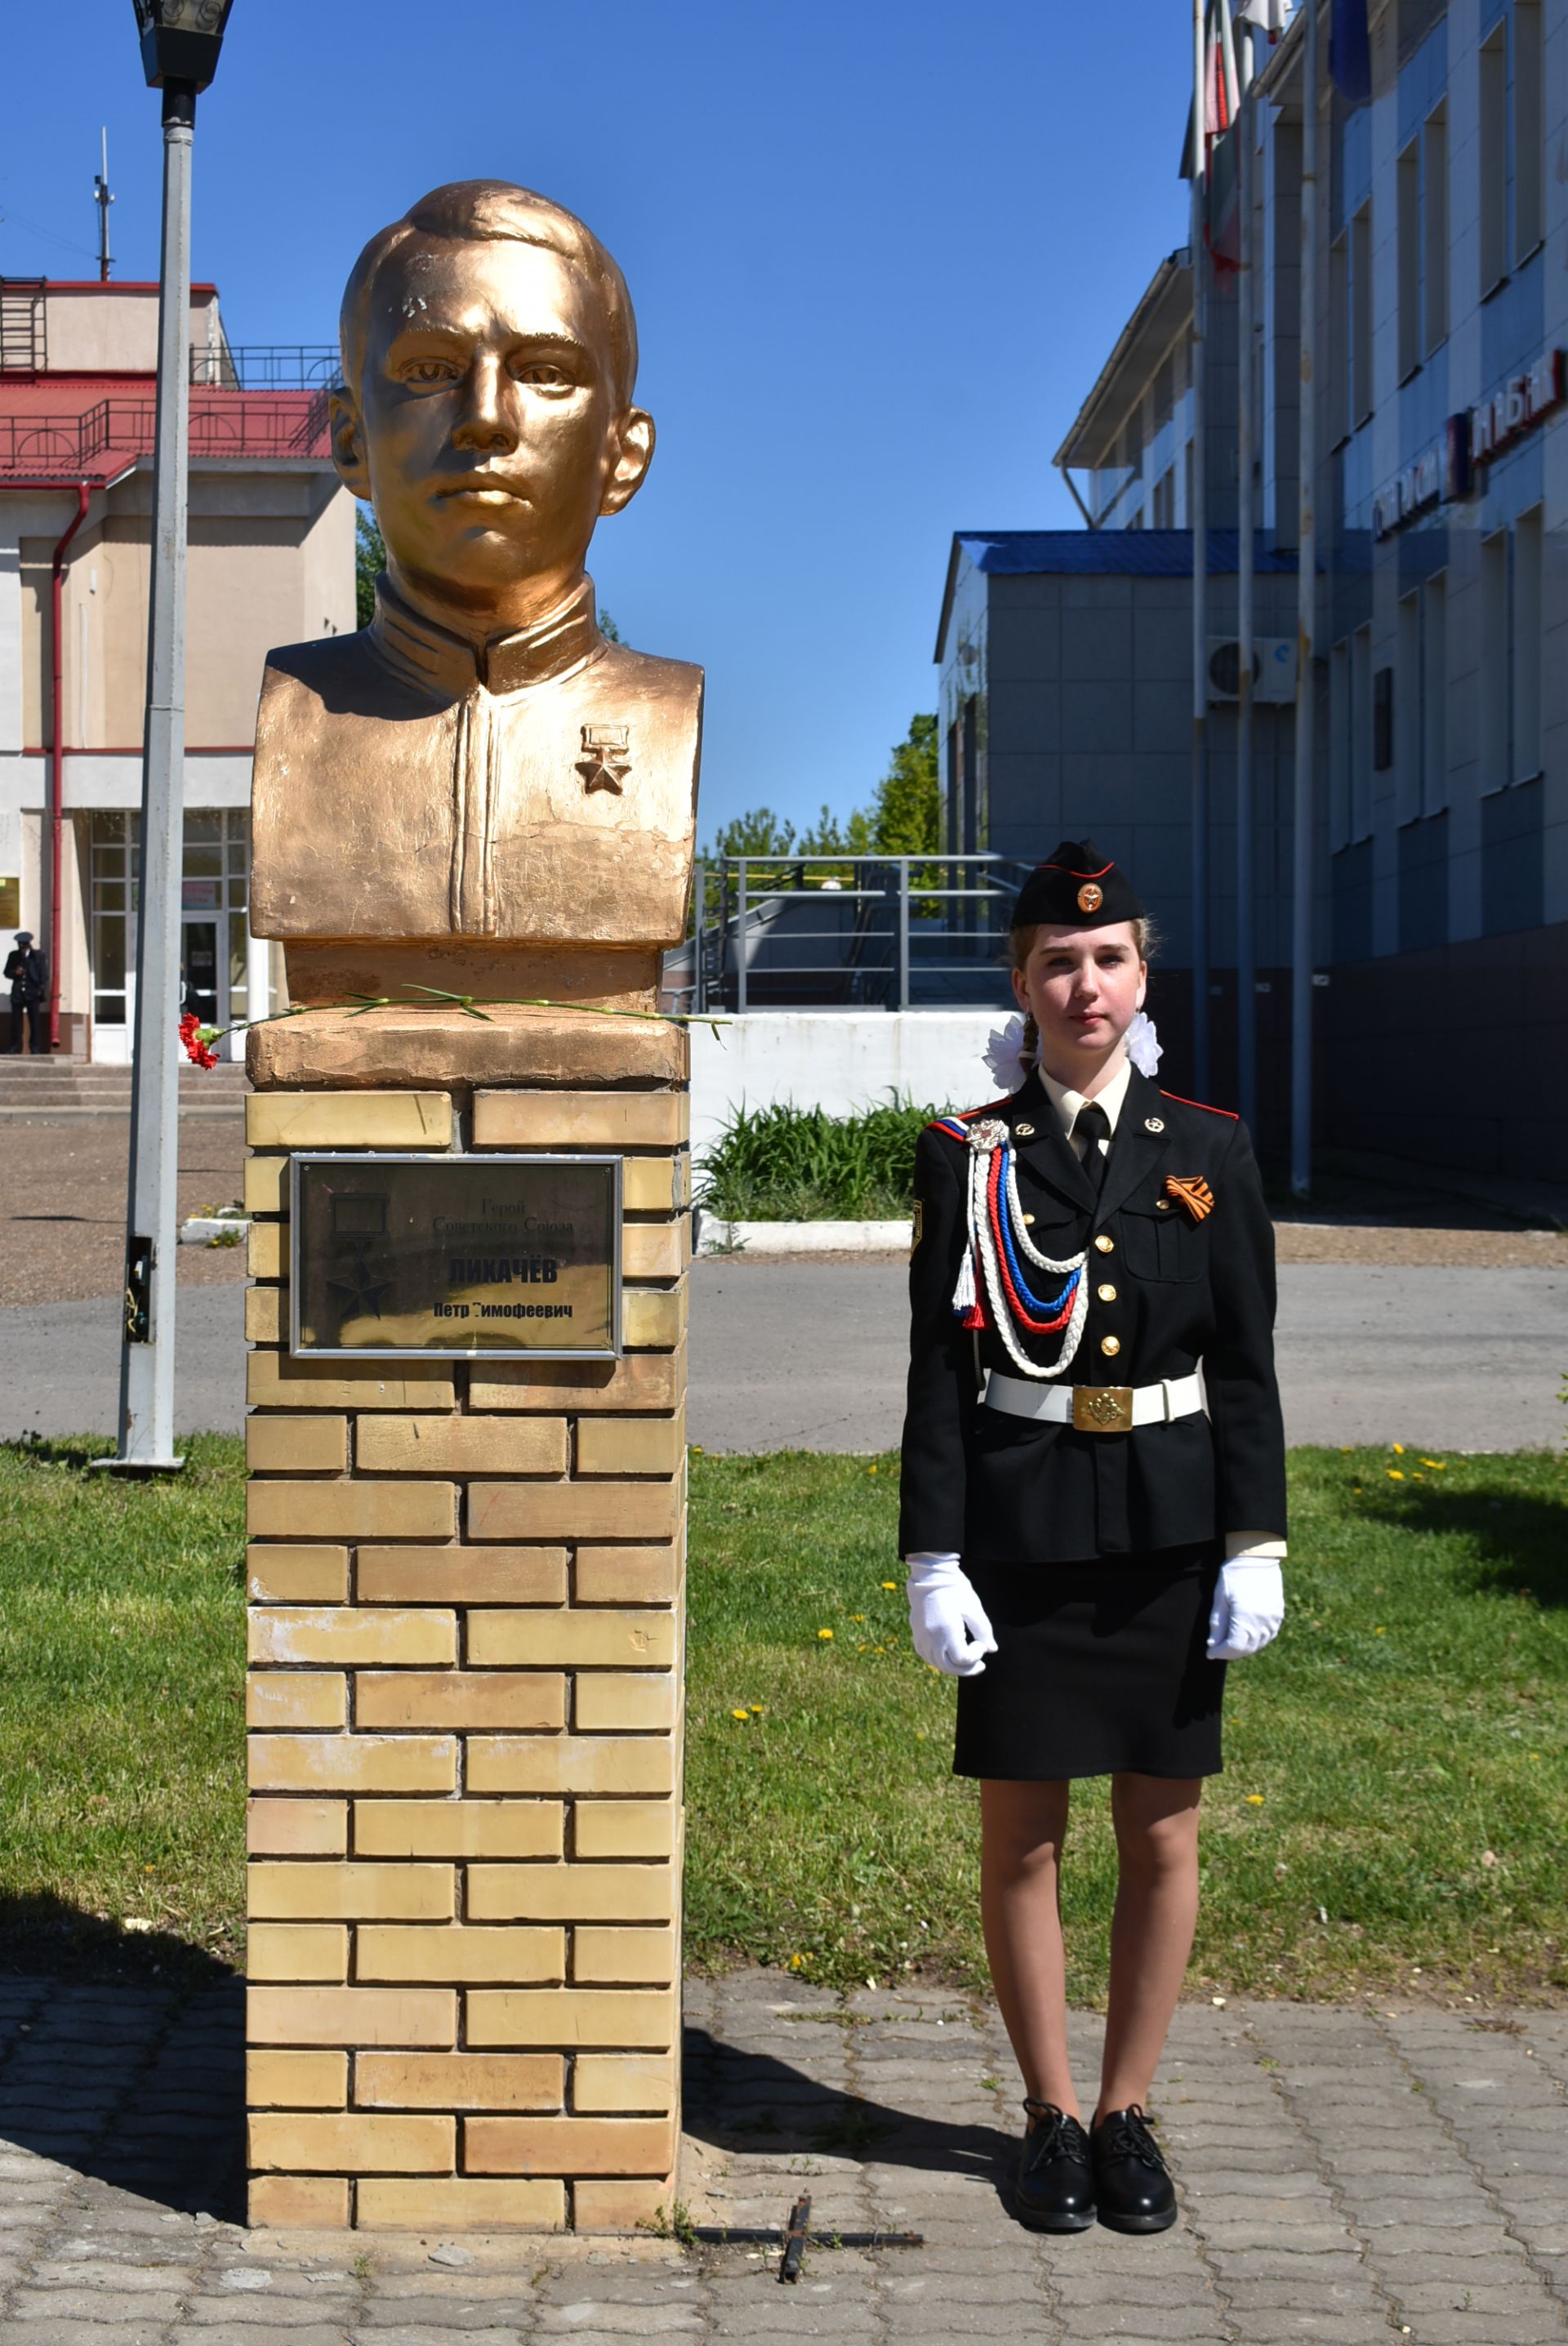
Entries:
{"x":1070,"y":1104}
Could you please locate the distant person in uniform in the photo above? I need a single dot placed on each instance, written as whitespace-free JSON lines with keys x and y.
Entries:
{"x":1086,"y":1556}
{"x":27,"y":973}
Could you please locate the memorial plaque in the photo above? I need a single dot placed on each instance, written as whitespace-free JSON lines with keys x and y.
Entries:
{"x":423,"y":1257}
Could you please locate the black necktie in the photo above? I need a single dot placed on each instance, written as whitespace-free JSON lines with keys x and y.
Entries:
{"x":1095,"y":1126}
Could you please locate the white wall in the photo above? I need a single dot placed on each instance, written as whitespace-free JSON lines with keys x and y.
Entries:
{"x":839,"y":1061}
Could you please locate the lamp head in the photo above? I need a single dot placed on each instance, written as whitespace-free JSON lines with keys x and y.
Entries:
{"x":180,"y":40}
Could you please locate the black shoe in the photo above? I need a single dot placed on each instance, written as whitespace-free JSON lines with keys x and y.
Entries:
{"x":1055,"y":2180}
{"x":1132,"y":2181}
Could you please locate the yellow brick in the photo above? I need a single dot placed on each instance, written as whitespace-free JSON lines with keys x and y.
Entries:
{"x":461,"y":1576}
{"x":618,"y":2081}
{"x":648,"y":1249}
{"x":460,"y":1955}
{"x":461,"y":2081}
{"x":324,"y":2141}
{"x":309,"y":2203}
{"x":275,"y":1380}
{"x":563,"y":1764}
{"x":620,"y":2206}
{"x":462,"y":2204}
{"x":360,"y":1763}
{"x":568,"y":1511}
{"x":570,"y":1894}
{"x":266,"y":1315}
{"x":310,"y":1575}
{"x":463,"y":1829}
{"x":266,"y":1250}
{"x":348,"y":1120}
{"x":653,"y":1319}
{"x":573,"y":1638}
{"x":558,"y":2145}
{"x":572,"y":2016}
{"x":279,"y":1444}
{"x":421,"y":1893}
{"x":299,"y":2081}
{"x":628,"y":1700}
{"x":297,"y":1827}
{"x":462,"y":1445}
{"x":627,"y":1575}
{"x":351,"y":1633}
{"x":296,"y":1699}
{"x":606,"y":1956}
{"x":636,"y":1380}
{"x":354,"y":1511}
{"x":511,"y":1700}
{"x":355,"y":2015}
{"x":654,"y":1185}
{"x":266,"y":1190}
{"x":297,"y":1951}
{"x":625,"y":1828}
{"x":631,"y":1445}
{"x":553,"y":1119}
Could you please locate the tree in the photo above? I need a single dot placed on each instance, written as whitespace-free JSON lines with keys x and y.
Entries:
{"x":370,"y":561}
{"x":758,"y":832}
{"x":906,"y":818}
{"x":608,"y":629}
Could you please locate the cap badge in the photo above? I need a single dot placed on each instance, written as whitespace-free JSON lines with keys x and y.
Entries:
{"x":1091,"y":896}
{"x":1154,"y":1124}
{"x":604,"y":764}
{"x":1191,"y":1190}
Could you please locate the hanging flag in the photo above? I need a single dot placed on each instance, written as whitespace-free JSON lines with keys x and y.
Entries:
{"x":1221,"y":90}
{"x":1351,"y":51}
{"x":1270,"y":17}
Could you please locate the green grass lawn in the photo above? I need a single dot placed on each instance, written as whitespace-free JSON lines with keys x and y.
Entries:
{"x":1391,"y":1815}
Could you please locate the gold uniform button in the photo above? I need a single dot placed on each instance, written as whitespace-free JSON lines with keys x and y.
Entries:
{"x":1111,"y":1344}
{"x":1107,"y":1294}
{"x":1162,"y":1205}
{"x":1105,"y":1245}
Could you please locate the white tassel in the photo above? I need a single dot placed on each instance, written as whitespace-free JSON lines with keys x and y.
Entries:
{"x":963,"y":1293}
{"x":1144,"y":1046}
{"x":1004,"y":1059}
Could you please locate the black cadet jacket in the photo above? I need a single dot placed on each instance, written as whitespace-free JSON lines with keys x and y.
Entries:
{"x":998,"y":1489}
{"x":27,"y":973}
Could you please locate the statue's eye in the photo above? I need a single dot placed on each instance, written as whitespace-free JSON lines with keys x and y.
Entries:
{"x":543,"y":374}
{"x":428,"y":370}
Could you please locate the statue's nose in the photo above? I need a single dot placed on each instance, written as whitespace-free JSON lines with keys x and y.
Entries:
{"x":486,"y":422}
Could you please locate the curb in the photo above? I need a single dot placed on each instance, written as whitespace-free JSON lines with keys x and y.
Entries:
{"x":712,"y":1235}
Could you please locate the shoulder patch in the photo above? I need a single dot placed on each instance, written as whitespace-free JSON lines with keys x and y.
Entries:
{"x":953,"y":1124}
{"x":1229,"y":1112}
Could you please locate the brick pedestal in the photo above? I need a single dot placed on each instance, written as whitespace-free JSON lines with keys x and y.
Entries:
{"x":465,"y":1693}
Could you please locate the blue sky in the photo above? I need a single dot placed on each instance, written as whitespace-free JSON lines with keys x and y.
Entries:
{"x":878,"y":253}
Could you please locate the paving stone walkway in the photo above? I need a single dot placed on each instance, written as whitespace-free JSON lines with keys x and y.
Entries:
{"x":1347,"y":2176}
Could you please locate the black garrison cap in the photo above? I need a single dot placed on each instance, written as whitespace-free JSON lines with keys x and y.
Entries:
{"x":1078,"y":887}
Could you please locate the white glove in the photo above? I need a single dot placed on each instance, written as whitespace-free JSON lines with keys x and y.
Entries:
{"x":1249,"y":1608}
{"x":947,"y":1620}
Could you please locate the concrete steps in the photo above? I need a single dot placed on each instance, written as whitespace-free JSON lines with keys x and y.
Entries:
{"x":60,"y":1086}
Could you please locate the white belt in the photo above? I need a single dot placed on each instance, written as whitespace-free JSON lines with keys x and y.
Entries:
{"x":1094,"y":1408}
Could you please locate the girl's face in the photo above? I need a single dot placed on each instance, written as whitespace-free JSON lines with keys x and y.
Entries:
{"x":1085,"y":987}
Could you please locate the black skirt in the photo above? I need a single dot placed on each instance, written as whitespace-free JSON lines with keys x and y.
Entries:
{"x":1099,"y":1668}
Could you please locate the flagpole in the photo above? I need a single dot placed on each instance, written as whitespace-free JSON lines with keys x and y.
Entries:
{"x":1245,"y":932}
{"x":1198,"y":518}
{"x":1307,"y":630}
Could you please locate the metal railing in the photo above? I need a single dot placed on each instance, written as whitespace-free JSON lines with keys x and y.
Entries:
{"x":288,"y":424}
{"x":264,"y":366}
{"x":837,"y":932}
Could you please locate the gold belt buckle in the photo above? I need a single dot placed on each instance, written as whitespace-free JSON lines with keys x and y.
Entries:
{"x":1102,"y":1409}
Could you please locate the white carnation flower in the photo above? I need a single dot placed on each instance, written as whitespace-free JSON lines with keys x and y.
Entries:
{"x":1004,"y":1055}
{"x":1143,"y":1045}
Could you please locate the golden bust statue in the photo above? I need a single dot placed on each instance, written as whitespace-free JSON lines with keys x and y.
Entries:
{"x":479,"y":785}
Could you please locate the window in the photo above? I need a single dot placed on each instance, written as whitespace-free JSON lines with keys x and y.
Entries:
{"x":1165,"y":499}
{"x":1525,"y":638}
{"x":1361,"y":316}
{"x":1494,"y":160}
{"x":1434,"y":694}
{"x":1408,"y":710}
{"x":215,"y":927}
{"x":1338,"y":342}
{"x":1496,"y":665}
{"x":1408,"y":200}
{"x":1529,"y":127}
{"x":1434,"y":228}
{"x":1361,"y":733}
{"x":1340,"y":737}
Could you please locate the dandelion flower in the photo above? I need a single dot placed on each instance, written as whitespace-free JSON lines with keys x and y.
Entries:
{"x":1439,"y":1466}
{"x":856,"y":1617}
{"x":825,"y":1633}
{"x":1255,"y":1800}
{"x":871,"y":1470}
{"x":1380,"y":1633}
{"x":743,"y":1715}
{"x":1395,"y":1474}
{"x":1398,"y":1448}
{"x":696,"y":1450}
{"x":757,"y":1710}
{"x":890,"y":1584}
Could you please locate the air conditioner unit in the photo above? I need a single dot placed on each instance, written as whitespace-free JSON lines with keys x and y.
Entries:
{"x":1273,"y":668}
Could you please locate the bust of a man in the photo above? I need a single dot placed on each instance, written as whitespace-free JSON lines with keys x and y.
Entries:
{"x":479,"y":772}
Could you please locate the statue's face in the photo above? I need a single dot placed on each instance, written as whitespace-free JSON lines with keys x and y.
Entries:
{"x":486,"y":432}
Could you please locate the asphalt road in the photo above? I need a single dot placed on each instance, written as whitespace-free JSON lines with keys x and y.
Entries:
{"x":808,"y":1355}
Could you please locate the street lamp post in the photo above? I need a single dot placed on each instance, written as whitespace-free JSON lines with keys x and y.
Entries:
{"x":180,"y":40}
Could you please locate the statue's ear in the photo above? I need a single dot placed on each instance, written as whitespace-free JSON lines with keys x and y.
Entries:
{"x":348,"y":435}
{"x":633,"y":430}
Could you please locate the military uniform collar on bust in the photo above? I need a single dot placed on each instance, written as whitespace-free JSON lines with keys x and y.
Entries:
{"x":446,"y":666}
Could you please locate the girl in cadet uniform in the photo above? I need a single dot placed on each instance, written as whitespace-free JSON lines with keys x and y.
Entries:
{"x":1091,"y":1531}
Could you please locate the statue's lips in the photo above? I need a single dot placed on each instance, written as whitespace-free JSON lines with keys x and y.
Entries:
{"x":484,"y":493}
